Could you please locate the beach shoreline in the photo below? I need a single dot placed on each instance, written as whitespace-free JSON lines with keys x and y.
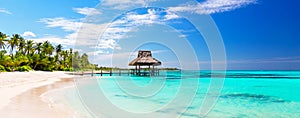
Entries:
{"x":22,"y":94}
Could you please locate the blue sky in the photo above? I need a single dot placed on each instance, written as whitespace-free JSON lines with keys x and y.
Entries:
{"x":257,"y":35}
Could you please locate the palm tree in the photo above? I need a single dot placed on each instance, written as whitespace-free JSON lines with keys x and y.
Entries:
{"x":21,"y":45}
{"x":13,"y":42}
{"x":38,"y":55}
{"x":58,"y":48}
{"x":47,"y":48}
{"x":2,"y":56}
{"x":38,"y":47}
{"x":28,"y":47}
{"x":63,"y":61}
{"x":70,"y":60}
{"x":2,"y":40}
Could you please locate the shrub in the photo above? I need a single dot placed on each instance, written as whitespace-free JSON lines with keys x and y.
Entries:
{"x":2,"y":68}
{"x":47,"y":69}
{"x":24,"y":68}
{"x":68,"y":69}
{"x":8,"y":69}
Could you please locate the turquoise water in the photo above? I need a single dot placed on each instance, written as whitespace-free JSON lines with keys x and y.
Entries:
{"x":189,"y":94}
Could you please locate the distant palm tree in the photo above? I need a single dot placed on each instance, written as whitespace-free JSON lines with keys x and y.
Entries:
{"x":28,"y":47}
{"x":38,"y":55}
{"x":58,"y":48}
{"x":21,"y":45}
{"x":70,"y":58}
{"x":13,"y":42}
{"x":47,"y":48}
{"x":38,"y":47}
{"x":2,"y":40}
{"x":2,"y":55}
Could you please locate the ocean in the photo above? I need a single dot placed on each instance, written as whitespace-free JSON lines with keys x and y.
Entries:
{"x":186,"y":94}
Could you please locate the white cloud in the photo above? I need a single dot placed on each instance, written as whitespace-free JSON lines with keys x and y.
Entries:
{"x":94,"y":53}
{"x":3,"y":10}
{"x":85,"y":34}
{"x":28,"y":34}
{"x":212,"y":6}
{"x":108,"y":56}
{"x":119,"y":28}
{"x":152,"y":16}
{"x":182,"y":36}
{"x":122,"y":4}
{"x":65,"y":24}
{"x":55,"y":40}
{"x":106,"y":35}
{"x":108,"y":44}
{"x":170,"y":16}
{"x":87,"y":11}
{"x":89,"y":34}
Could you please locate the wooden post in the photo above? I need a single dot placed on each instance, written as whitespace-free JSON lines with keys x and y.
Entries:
{"x":135,"y":71}
{"x":149,"y":69}
{"x":153,"y":71}
{"x":139,"y":71}
{"x":92,"y":72}
{"x":110,"y":73}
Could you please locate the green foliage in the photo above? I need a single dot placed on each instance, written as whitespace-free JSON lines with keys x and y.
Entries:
{"x":25,"y":55}
{"x":81,"y":63}
{"x":24,"y":68}
{"x":8,"y":69}
{"x":47,"y":69}
{"x":68,"y":69}
{"x":2,"y":68}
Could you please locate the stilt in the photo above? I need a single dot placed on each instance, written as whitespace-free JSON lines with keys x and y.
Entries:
{"x":92,"y":72}
{"x":110,"y":73}
{"x":153,"y":71}
{"x":149,"y":70}
{"x":135,"y":71}
{"x":139,"y":71}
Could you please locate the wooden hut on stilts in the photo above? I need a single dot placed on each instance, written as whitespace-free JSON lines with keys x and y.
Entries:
{"x":145,"y":59}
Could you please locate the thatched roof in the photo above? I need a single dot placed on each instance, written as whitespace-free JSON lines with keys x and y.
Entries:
{"x":144,"y":58}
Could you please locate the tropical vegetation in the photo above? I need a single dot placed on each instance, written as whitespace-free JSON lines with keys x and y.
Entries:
{"x":20,"y":54}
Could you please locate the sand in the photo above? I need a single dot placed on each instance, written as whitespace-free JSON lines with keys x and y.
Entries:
{"x":21,"y":94}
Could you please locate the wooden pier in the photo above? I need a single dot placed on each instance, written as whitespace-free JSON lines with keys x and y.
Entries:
{"x":145,"y":65}
{"x":120,"y":72}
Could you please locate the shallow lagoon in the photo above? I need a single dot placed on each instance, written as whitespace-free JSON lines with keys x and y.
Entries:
{"x":182,"y":94}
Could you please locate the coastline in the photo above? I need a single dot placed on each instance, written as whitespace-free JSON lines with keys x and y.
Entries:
{"x":22,"y":93}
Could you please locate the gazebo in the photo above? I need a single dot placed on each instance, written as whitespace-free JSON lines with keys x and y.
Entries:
{"x":145,"y":58}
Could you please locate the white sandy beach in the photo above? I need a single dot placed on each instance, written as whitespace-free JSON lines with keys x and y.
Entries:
{"x":21,"y":93}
